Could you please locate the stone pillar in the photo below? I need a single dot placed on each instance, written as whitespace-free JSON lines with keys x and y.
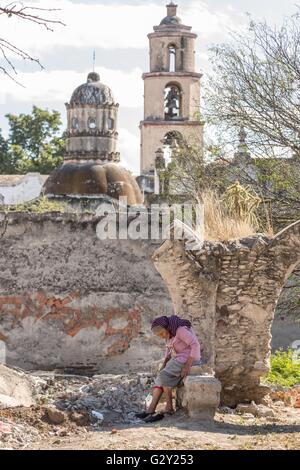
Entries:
{"x":199,"y":396}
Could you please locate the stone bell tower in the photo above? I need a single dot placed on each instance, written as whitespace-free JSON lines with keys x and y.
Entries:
{"x":172,"y":90}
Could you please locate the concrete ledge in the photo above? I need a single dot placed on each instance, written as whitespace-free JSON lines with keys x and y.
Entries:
{"x":203,"y":369}
{"x":199,"y":396}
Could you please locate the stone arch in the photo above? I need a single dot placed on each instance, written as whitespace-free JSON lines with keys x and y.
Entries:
{"x":230,"y":291}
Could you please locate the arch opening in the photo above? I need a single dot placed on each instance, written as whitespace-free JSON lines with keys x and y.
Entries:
{"x":92,"y":124}
{"x":75,"y":123}
{"x":285,"y":329}
{"x":111,"y":124}
{"x":171,"y":144}
{"x":173,"y":102}
{"x":172,"y":58}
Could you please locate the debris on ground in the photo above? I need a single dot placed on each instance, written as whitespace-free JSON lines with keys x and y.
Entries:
{"x":289,"y":396}
{"x":72,"y":407}
{"x":15,"y":388}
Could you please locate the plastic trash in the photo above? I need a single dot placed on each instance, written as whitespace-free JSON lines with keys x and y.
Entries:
{"x":99,"y":416}
{"x":148,"y":400}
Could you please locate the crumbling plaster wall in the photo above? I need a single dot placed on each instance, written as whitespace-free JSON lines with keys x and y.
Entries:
{"x":70,"y":300}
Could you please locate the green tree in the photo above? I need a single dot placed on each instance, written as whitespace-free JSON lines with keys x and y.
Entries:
{"x":5,"y":164}
{"x":34,"y":143}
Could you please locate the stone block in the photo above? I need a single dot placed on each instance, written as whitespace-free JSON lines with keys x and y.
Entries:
{"x":199,"y":396}
{"x":203,"y":369}
{"x":54,"y":415}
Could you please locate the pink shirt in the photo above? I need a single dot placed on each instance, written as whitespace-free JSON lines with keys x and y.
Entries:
{"x":184,"y":345}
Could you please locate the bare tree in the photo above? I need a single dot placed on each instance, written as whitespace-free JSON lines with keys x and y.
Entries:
{"x":38,"y":16}
{"x":256,"y":84}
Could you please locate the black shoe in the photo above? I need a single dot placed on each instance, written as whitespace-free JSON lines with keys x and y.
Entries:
{"x":153,"y":418}
{"x":143,"y":415}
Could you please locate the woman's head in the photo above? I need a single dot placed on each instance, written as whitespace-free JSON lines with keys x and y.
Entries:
{"x":160,"y":331}
{"x":169,"y":324}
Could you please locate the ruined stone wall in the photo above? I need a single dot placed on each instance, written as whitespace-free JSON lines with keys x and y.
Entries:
{"x":68,"y":299}
{"x":230,"y":291}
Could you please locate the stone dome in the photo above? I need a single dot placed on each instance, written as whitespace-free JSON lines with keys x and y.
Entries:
{"x":93,"y":92}
{"x":171,"y":20}
{"x":86,"y":179}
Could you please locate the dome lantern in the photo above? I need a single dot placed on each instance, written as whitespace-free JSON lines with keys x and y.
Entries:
{"x":92,"y":123}
{"x":171,"y":18}
{"x":91,"y":168}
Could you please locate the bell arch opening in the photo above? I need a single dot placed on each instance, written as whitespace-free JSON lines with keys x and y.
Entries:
{"x":171,"y":143}
{"x":173,"y":102}
{"x":172,"y":58}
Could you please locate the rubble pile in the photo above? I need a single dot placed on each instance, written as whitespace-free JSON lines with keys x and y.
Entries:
{"x":14,"y":435}
{"x":110,"y":398}
{"x":289,"y":396}
{"x":105,"y":399}
{"x":67,"y":404}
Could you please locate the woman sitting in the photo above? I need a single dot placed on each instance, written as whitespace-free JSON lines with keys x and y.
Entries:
{"x":183,"y":351}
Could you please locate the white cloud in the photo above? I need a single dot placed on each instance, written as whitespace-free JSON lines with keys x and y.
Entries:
{"x":58,"y":85}
{"x":110,"y":26}
{"x":129,"y":147}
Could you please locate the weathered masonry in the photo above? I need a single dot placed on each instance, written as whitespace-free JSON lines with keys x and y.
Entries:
{"x":230,"y":292}
{"x":69,"y":300}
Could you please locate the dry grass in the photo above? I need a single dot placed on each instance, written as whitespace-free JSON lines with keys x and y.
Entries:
{"x":221,"y":226}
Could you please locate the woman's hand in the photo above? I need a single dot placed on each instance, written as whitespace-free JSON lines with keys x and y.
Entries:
{"x":187,"y":367}
{"x":185,"y":371}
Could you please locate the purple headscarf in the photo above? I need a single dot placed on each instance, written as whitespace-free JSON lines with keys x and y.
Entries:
{"x":171,"y":323}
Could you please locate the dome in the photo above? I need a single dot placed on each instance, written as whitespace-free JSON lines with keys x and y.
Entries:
{"x":93,"y":179}
{"x":171,"y":20}
{"x":93,"y":92}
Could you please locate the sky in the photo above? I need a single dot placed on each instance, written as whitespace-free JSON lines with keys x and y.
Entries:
{"x":117,"y":31}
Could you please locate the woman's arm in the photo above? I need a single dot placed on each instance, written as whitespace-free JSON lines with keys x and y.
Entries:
{"x":187,"y":367}
{"x":166,"y":359}
{"x":165,"y":362}
{"x":190,"y":340}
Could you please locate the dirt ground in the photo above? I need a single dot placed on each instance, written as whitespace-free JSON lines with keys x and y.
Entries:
{"x":227,"y":431}
{"x":63,"y":418}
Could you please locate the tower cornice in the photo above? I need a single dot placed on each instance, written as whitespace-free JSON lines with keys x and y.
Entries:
{"x":170,"y":123}
{"x":171,"y":32}
{"x":94,"y":106}
{"x":172,"y":75}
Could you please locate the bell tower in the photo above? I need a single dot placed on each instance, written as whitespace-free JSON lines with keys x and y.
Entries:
{"x":171,"y":90}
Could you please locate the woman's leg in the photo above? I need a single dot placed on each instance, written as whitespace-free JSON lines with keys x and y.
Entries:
{"x":169,"y":399}
{"x":156,"y":396}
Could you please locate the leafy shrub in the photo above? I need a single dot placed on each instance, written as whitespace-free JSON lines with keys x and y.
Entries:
{"x":284,"y":370}
{"x":40,"y":205}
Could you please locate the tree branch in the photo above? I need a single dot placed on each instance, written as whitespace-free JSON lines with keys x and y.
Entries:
{"x":34,"y":15}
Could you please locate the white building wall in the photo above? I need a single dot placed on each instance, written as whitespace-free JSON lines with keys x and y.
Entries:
{"x":27,"y":189}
